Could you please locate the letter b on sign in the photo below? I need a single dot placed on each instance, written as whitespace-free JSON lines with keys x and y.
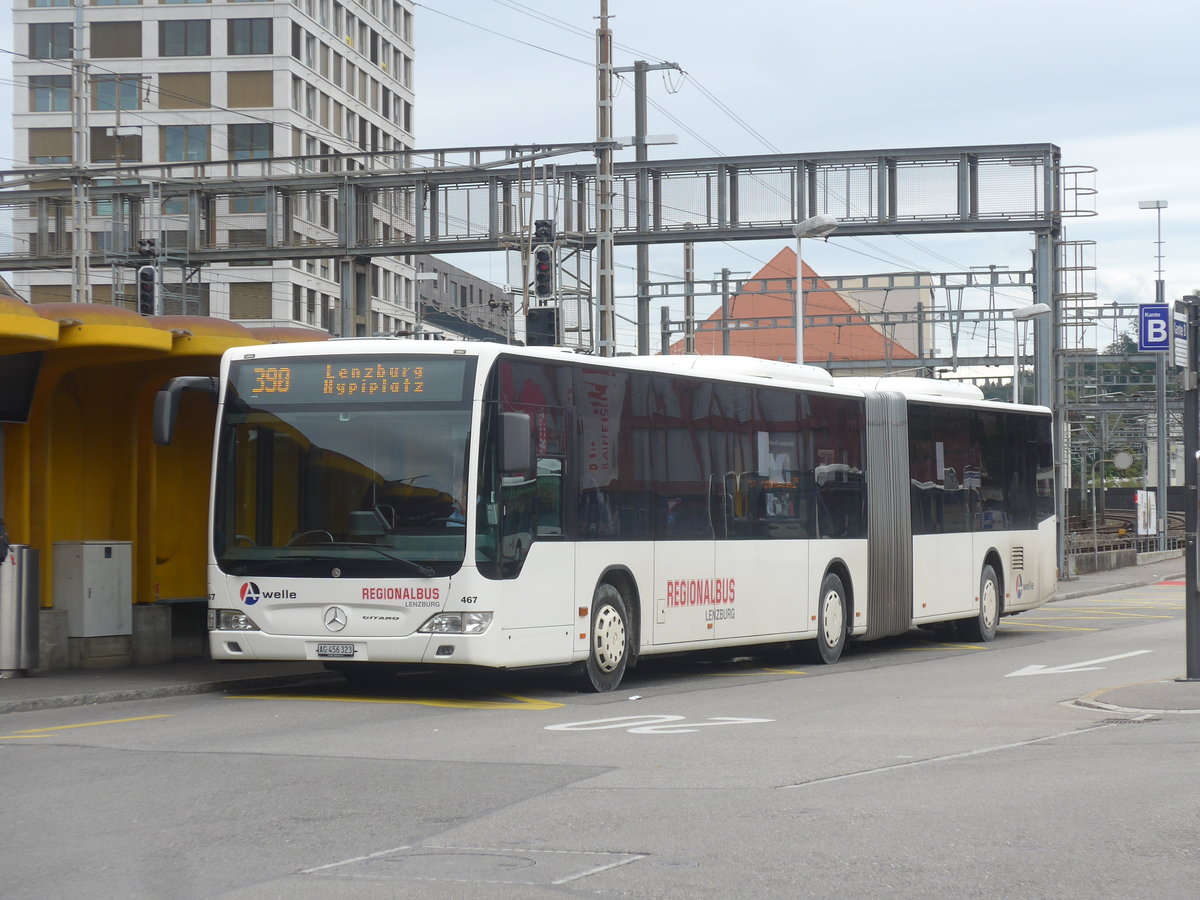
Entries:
{"x":1154,"y":327}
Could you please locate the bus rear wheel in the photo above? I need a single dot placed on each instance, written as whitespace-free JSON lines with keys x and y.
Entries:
{"x":831,"y":622}
{"x":983,"y":626}
{"x":608,"y":644}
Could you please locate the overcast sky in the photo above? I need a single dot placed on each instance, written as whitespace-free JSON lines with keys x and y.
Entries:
{"x":1114,"y":84}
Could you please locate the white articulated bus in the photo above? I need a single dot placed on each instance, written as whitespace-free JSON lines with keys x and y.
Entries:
{"x":384,"y":501}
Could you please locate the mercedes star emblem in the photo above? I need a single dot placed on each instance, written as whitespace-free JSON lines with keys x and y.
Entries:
{"x":335,"y":618}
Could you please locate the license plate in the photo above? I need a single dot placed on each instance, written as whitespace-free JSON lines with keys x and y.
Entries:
{"x":336,"y":651}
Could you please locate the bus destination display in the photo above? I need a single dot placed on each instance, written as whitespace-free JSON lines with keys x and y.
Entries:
{"x":351,"y":378}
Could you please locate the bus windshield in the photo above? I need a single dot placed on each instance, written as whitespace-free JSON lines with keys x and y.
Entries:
{"x":345,"y":488}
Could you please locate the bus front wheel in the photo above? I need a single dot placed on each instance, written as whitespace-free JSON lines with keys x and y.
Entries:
{"x":983,"y":626}
{"x":831,"y":622}
{"x":608,"y":652}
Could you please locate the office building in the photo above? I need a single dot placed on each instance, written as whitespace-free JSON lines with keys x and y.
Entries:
{"x":182,"y":81}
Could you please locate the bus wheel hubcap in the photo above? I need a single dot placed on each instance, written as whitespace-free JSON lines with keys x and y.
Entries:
{"x":831,"y":618}
{"x":609,"y":639}
{"x":989,"y":604}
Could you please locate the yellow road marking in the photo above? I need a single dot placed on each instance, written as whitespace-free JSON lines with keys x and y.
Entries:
{"x":1119,"y":608}
{"x":514,"y":701}
{"x":1132,"y":603}
{"x":934,"y":645}
{"x":45,"y":732}
{"x":1019,"y":626}
{"x":1102,"y":618}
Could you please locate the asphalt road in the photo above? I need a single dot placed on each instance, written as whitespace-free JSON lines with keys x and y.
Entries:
{"x":915,"y":767}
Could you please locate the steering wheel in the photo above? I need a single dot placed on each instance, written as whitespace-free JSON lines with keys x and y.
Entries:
{"x":296,"y":538}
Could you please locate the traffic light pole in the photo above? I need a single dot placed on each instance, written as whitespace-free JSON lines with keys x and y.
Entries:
{"x":1191,"y":455}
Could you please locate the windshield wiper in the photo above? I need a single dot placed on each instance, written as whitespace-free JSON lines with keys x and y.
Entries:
{"x":258,"y":566}
{"x":422,"y":570}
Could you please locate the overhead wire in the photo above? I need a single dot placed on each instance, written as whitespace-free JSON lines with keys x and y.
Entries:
{"x":484,"y":28}
{"x":522,"y":8}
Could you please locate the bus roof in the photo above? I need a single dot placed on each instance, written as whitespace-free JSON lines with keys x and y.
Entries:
{"x":916,"y":387}
{"x":731,"y":367}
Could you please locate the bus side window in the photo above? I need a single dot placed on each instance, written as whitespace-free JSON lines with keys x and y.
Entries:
{"x":549,"y":516}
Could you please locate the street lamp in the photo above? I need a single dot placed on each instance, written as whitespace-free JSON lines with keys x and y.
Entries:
{"x":812,"y":227}
{"x":1023,"y":314}
{"x":1160,"y":388}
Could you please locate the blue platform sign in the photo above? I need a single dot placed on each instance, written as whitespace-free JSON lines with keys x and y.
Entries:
{"x":1154,"y":327}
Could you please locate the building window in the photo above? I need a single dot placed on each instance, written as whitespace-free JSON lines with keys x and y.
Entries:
{"x":49,"y":93}
{"x":187,"y":37}
{"x":42,"y":4}
{"x":248,"y":203}
{"x":250,"y":300}
{"x":184,"y":90}
{"x":116,"y":2}
{"x":105,"y":207}
{"x":250,"y":141}
{"x":116,"y":40}
{"x":184,"y":143}
{"x":111,"y":92}
{"x":109,"y":145}
{"x":250,"y":90}
{"x":50,"y":40}
{"x":183,"y":1}
{"x":49,"y":146}
{"x":249,"y":36}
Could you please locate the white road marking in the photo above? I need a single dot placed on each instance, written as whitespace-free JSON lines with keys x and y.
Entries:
{"x":1085,"y":666}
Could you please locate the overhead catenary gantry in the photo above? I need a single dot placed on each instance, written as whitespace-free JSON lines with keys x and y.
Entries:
{"x":479,"y":199}
{"x":472,"y":205}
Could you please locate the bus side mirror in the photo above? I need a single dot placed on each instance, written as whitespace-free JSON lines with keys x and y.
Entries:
{"x":166,"y":404}
{"x":516,"y":443}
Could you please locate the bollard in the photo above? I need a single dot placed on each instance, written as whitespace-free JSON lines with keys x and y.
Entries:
{"x":18,"y":611}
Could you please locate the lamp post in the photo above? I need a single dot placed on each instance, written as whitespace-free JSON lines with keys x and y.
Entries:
{"x":1023,"y":314}
{"x":1160,"y":389}
{"x":814,"y":226}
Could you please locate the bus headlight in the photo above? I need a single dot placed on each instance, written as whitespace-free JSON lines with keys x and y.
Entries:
{"x":458,"y":623}
{"x":230,"y":620}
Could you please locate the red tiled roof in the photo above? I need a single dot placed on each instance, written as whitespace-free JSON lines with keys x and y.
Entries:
{"x":855,"y":340}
